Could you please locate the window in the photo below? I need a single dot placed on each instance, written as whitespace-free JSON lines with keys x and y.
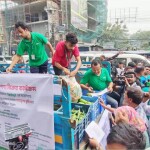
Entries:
{"x":28,"y":18}
{"x":35,"y":17}
{"x":97,"y":58}
{"x":83,"y":59}
{"x":138,"y":60}
{"x":44,"y":15}
{"x":15,"y":18}
{"x":8,"y":58}
{"x":117,"y":60}
{"x":1,"y":59}
{"x":83,"y":48}
{"x":90,"y":59}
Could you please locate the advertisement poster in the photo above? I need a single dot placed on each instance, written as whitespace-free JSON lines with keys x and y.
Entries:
{"x":28,"y":99}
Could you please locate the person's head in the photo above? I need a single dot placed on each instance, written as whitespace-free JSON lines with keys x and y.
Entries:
{"x":22,"y":29}
{"x":128,"y":114}
{"x":140,"y":70}
{"x":140,"y":64}
{"x":96,"y":66}
{"x":71,"y":41}
{"x":132,"y":64}
{"x":147,"y":70}
{"x":102,"y":57}
{"x":125,"y":137}
{"x":133,"y":96}
{"x":121,"y":64}
{"x":129,"y":69}
{"x":131,"y":77}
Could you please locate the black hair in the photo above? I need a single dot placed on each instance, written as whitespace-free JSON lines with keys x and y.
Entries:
{"x":130,"y":72}
{"x":95,"y":62}
{"x":72,"y":38}
{"x":127,"y":135}
{"x":135,"y":94}
{"x":148,"y":66}
{"x":121,"y":62}
{"x":128,"y":67}
{"x":22,"y":25}
{"x":103,"y":56}
{"x":138,"y":69}
{"x":131,"y":64}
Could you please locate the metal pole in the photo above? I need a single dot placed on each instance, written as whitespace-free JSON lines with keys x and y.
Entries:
{"x":10,"y":44}
{"x":7,"y":29}
{"x":66,"y":14}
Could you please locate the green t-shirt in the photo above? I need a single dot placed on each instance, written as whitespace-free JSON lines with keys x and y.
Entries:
{"x":35,"y":49}
{"x":97,"y":82}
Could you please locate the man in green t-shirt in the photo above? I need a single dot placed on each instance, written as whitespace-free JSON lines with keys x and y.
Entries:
{"x":34,"y":44}
{"x":97,"y":79}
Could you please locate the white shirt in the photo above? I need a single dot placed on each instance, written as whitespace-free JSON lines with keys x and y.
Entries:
{"x":146,"y":107}
{"x":120,"y":71}
{"x":135,"y":86}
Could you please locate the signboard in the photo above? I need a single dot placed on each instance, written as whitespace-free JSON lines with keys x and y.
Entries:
{"x":27,"y":99}
{"x":79,"y":14}
{"x":109,"y":45}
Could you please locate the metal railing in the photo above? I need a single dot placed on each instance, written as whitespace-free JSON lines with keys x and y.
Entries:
{"x":25,"y":68}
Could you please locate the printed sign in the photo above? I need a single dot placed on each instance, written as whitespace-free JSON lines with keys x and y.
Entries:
{"x":27,"y":99}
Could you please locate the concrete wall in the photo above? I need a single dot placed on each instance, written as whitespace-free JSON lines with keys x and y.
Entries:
{"x":40,"y":27}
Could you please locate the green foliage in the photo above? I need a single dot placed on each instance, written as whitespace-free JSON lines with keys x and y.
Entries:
{"x":116,"y":33}
{"x":142,"y":37}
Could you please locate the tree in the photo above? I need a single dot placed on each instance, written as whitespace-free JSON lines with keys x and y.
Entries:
{"x":142,"y":38}
{"x":116,"y":33}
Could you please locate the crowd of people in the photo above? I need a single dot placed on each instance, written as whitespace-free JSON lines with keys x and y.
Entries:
{"x":128,"y":92}
{"x":132,"y":86}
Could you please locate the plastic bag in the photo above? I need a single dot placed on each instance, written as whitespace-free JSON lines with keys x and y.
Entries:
{"x":75,"y":89}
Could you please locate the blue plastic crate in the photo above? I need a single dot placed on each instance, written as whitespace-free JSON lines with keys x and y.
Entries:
{"x":84,"y":92}
{"x":68,"y":136}
{"x":104,"y":98}
{"x":95,"y":108}
{"x":79,"y":131}
{"x":92,"y":112}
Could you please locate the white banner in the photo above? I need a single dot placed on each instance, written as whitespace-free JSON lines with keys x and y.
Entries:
{"x":28,"y":98}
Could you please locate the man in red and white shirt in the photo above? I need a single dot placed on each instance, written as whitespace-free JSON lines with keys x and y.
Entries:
{"x":63,"y":54}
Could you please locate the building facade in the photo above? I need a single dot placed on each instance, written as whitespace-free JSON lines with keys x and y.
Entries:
{"x":42,"y":16}
{"x":88,"y":18}
{"x":54,"y":18}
